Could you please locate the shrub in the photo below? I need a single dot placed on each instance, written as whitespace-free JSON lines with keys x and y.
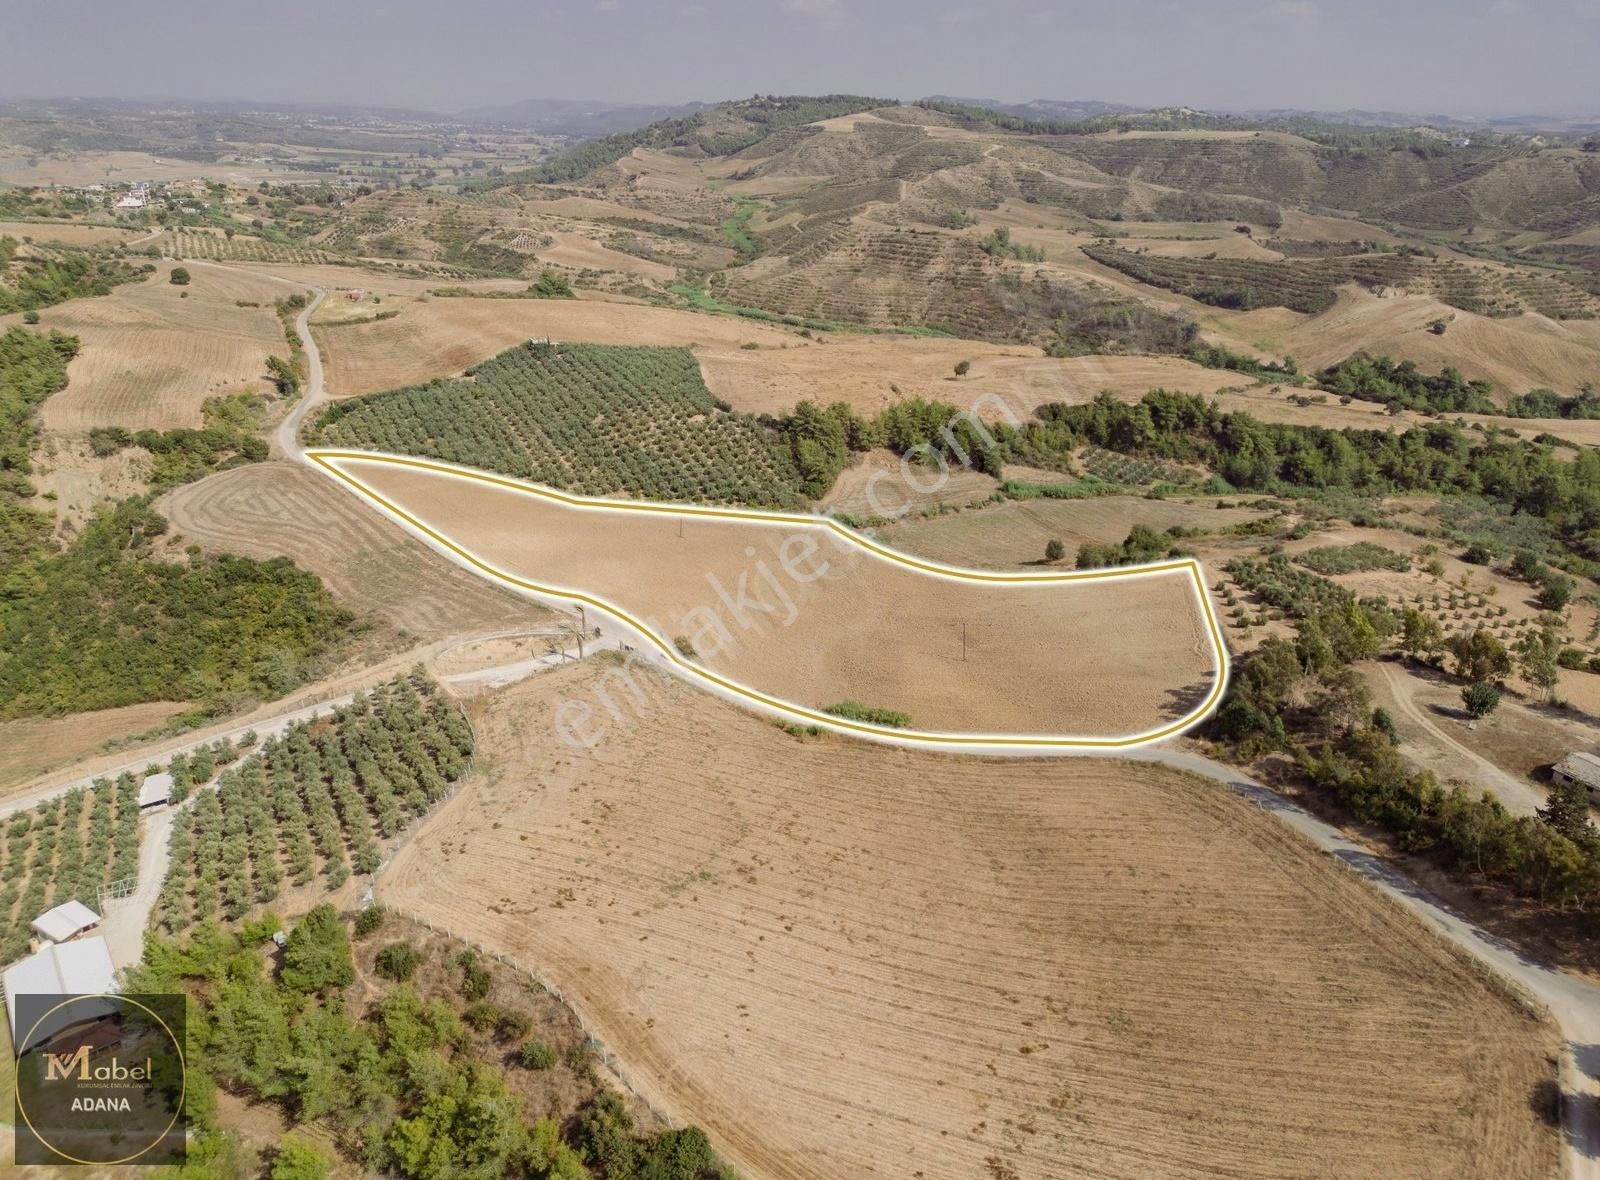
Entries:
{"x":513,"y":1026}
{"x":536,"y":1055}
{"x":369,"y":921}
{"x":30,"y":316}
{"x":1480,"y":699}
{"x":299,"y":1160}
{"x":963,"y":368}
{"x":1571,"y":657}
{"x":398,"y":961}
{"x":475,"y":980}
{"x":1054,"y":551}
{"x":482,"y":1017}
{"x":317,"y":954}
{"x":179,"y":277}
{"x":551,"y":284}
{"x":856,"y":711}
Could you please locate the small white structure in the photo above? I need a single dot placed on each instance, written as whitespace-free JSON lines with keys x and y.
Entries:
{"x":1578,"y":768}
{"x":130,"y":202}
{"x":81,"y":968}
{"x":65,"y":922}
{"x":155,"y":791}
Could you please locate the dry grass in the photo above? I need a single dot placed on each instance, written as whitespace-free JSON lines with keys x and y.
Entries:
{"x":149,"y":357}
{"x":33,"y":745}
{"x":283,"y":509}
{"x":1043,"y":659}
{"x":847,"y":961}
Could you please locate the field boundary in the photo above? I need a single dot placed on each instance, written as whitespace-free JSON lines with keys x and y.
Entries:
{"x":329,"y":461}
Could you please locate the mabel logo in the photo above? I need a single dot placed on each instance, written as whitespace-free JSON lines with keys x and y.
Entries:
{"x":100,"y":1079}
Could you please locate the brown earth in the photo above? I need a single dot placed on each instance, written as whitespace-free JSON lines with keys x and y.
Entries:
{"x":844,"y":960}
{"x":148,"y":356}
{"x":1055,"y":659}
{"x":283,"y":509}
{"x":33,"y":745}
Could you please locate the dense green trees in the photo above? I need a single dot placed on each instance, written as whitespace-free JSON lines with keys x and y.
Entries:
{"x":405,"y":1085}
{"x":32,"y":367}
{"x":591,"y":418}
{"x":320,"y":798}
{"x":228,"y":439}
{"x":64,"y":273}
{"x":1547,"y":403}
{"x":104,"y":623}
{"x":1404,"y":386}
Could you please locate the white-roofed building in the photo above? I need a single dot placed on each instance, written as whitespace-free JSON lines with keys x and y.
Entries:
{"x":155,"y":790}
{"x":65,"y":922}
{"x":81,"y":968}
{"x":1580,"y":768}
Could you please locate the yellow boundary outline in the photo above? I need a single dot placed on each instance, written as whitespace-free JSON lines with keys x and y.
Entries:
{"x":328,"y":460}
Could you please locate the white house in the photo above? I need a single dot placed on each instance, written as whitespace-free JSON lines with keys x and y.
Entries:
{"x":81,"y":968}
{"x":129,"y":201}
{"x":65,"y":922}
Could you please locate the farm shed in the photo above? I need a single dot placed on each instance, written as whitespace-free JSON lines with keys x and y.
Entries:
{"x":155,"y":791}
{"x":1578,"y":768}
{"x":81,"y":968}
{"x":65,"y":922}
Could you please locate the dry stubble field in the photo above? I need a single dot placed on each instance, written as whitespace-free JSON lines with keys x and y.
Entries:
{"x":283,"y":509}
{"x":148,"y":357}
{"x":1044,"y":659}
{"x":848,"y":960}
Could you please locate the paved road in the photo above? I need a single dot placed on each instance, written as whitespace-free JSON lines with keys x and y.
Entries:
{"x":1573,"y":1002}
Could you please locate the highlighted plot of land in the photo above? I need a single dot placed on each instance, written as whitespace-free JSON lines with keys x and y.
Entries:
{"x":794,"y":613}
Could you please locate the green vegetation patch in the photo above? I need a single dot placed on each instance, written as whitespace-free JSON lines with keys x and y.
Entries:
{"x":228,"y":439}
{"x":315,"y":801}
{"x":27,"y":284}
{"x":105,"y":623}
{"x":591,"y":418}
{"x":856,"y":711}
{"x":1404,"y":386}
{"x":1354,"y":558}
{"x":66,"y":848}
{"x":32,"y":367}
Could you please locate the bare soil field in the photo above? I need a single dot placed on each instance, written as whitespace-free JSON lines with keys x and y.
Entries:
{"x":1013,"y":535}
{"x":1516,"y":354}
{"x":151,"y":353}
{"x":71,"y":233}
{"x":1052,"y":659}
{"x":444,"y":336}
{"x":578,"y":252}
{"x":282,"y":509}
{"x":876,"y":484}
{"x":32,"y":745}
{"x":844,"y":960}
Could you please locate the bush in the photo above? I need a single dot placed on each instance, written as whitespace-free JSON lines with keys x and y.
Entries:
{"x":1054,"y":551}
{"x":475,"y":980}
{"x":1571,"y":657}
{"x":30,"y":316}
{"x":299,"y":1160}
{"x":369,"y":921}
{"x":536,"y":1055}
{"x":398,"y":961}
{"x":317,"y":955}
{"x":1480,"y":699}
{"x":179,"y":277}
{"x":963,"y":368}
{"x":551,"y":284}
{"x":482,"y":1017}
{"x":513,"y":1026}
{"x":856,"y":711}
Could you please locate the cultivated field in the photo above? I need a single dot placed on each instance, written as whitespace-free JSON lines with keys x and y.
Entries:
{"x":844,"y":960}
{"x":151,"y":353}
{"x":32,"y":745}
{"x":827,"y":622}
{"x":282,"y":509}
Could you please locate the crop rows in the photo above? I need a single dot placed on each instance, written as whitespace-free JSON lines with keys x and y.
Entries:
{"x":67,"y":847}
{"x":1308,"y":285}
{"x":1133,"y":471}
{"x":590,"y":418}
{"x":184,"y":243}
{"x":318,"y":799}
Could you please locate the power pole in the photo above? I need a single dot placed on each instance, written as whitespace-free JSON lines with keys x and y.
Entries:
{"x":963,"y":641}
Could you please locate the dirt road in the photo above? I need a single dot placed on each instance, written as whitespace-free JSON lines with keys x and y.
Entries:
{"x":1520,"y":798}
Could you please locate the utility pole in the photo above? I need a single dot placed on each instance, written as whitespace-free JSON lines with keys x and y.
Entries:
{"x":583,"y":628}
{"x":963,"y":641}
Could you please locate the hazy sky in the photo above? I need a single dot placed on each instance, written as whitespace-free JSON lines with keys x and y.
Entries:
{"x":1449,"y":56}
